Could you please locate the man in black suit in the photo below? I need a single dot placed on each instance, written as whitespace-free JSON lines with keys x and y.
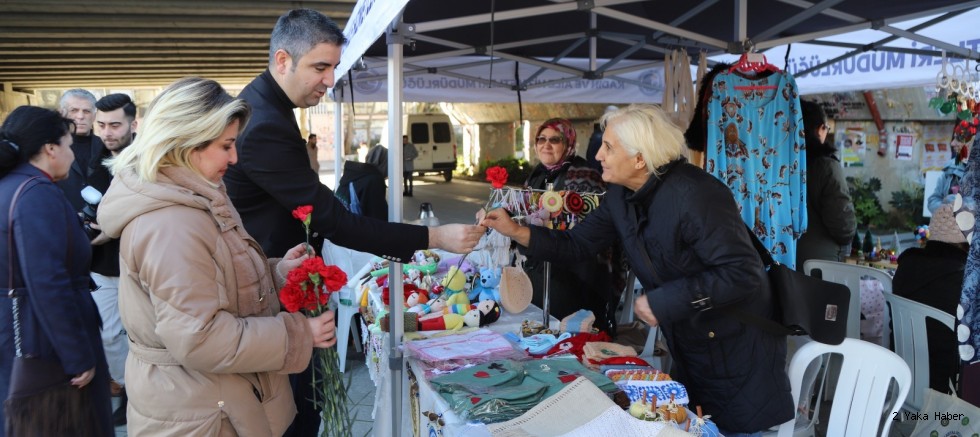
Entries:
{"x":273,"y":174}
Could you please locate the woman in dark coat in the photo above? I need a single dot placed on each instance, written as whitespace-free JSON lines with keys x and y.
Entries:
{"x":933,"y":275}
{"x":681,"y":231}
{"x":581,"y":285}
{"x":51,"y":255}
{"x":830,"y":212}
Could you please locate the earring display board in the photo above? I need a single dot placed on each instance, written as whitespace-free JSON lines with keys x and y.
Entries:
{"x":553,"y":209}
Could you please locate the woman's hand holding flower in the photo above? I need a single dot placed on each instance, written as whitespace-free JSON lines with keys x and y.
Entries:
{"x":501,"y":221}
{"x":324,"y":330}
{"x":292,"y":259}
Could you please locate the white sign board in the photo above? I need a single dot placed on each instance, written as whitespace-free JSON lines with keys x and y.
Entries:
{"x":367,"y":22}
{"x":642,"y":86}
{"x":875,"y":69}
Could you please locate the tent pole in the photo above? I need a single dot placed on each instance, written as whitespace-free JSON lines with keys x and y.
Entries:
{"x":338,"y":142}
{"x":592,"y":41}
{"x":741,"y":20}
{"x":396,"y":41}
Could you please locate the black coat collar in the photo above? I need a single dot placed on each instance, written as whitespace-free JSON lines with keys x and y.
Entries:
{"x":268,"y":86}
{"x":646,"y":192}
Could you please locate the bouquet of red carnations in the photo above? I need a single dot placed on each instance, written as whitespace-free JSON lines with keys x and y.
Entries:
{"x":308,"y":289}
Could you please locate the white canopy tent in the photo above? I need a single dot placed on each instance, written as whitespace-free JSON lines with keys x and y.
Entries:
{"x":615,"y":55}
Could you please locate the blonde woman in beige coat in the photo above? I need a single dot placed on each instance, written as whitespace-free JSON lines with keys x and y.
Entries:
{"x":209,"y":348}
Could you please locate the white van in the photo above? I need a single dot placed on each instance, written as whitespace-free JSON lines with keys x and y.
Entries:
{"x":435,"y":139}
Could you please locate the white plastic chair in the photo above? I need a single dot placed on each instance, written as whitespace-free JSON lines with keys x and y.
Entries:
{"x":353,"y":263}
{"x":912,"y":343}
{"x":849,"y":275}
{"x":864,"y":401}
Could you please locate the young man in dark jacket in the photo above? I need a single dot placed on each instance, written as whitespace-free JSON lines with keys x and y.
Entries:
{"x":273,"y":174}
{"x":116,"y":122}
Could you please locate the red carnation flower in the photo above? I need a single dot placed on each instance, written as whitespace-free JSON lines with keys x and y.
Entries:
{"x":302,"y":213}
{"x":334,"y":278}
{"x":497,"y":176}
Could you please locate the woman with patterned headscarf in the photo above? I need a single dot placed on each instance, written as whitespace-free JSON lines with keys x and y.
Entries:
{"x":554,"y":145}
{"x":583,"y":285}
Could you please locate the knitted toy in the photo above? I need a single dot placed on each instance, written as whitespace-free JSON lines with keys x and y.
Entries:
{"x":453,"y":283}
{"x":455,"y":280}
{"x":459,"y":308}
{"x":409,"y":289}
{"x":419,"y":296}
{"x":487,"y":285}
{"x":447,"y":321}
{"x":436,"y":305}
{"x":418,"y":278}
{"x":424,"y":261}
{"x":489,"y":311}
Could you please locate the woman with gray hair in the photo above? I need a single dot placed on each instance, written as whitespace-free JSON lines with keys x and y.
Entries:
{"x":209,"y":347}
{"x":682,"y":233}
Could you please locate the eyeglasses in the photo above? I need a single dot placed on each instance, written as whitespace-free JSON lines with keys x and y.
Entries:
{"x":553,"y":140}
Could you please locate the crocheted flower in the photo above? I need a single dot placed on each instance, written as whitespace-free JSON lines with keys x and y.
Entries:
{"x":573,"y":203}
{"x":551,"y":202}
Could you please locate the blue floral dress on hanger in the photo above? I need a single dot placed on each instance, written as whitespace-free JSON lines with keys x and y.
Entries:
{"x":755,"y":145}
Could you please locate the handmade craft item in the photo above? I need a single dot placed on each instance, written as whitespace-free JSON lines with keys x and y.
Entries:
{"x":515,"y":289}
{"x":487,"y":287}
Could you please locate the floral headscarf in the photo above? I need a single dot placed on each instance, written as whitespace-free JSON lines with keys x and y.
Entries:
{"x":567,"y":132}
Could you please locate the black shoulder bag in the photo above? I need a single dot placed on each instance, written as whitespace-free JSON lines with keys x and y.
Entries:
{"x":41,"y":401}
{"x":803,"y":305}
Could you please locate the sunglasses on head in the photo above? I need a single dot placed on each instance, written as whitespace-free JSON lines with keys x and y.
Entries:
{"x":553,"y":140}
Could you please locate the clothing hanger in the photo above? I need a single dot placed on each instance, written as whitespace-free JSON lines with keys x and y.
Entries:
{"x":753,"y":63}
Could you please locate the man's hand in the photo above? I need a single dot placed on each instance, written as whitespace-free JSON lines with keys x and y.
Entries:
{"x":324,"y":330}
{"x":101,"y":237}
{"x":500,"y":221}
{"x":82,"y":379}
{"x":455,"y":238}
{"x":641,"y":307}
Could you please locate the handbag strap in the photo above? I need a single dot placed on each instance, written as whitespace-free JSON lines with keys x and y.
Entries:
{"x":765,"y":324}
{"x":11,"y":291}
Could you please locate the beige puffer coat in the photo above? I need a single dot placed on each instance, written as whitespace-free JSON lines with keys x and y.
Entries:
{"x":209,"y":349}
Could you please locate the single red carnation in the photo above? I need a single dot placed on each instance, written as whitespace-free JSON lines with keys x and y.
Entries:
{"x":497,"y":176}
{"x":297,"y":275}
{"x":333,"y":278}
{"x":291,"y":297}
{"x":302,"y":212}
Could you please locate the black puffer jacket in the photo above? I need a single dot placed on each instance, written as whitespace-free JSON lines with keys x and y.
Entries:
{"x":933,"y":275}
{"x":684,"y":237}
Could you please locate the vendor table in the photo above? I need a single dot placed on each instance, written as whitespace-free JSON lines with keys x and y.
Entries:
{"x":422,"y":396}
